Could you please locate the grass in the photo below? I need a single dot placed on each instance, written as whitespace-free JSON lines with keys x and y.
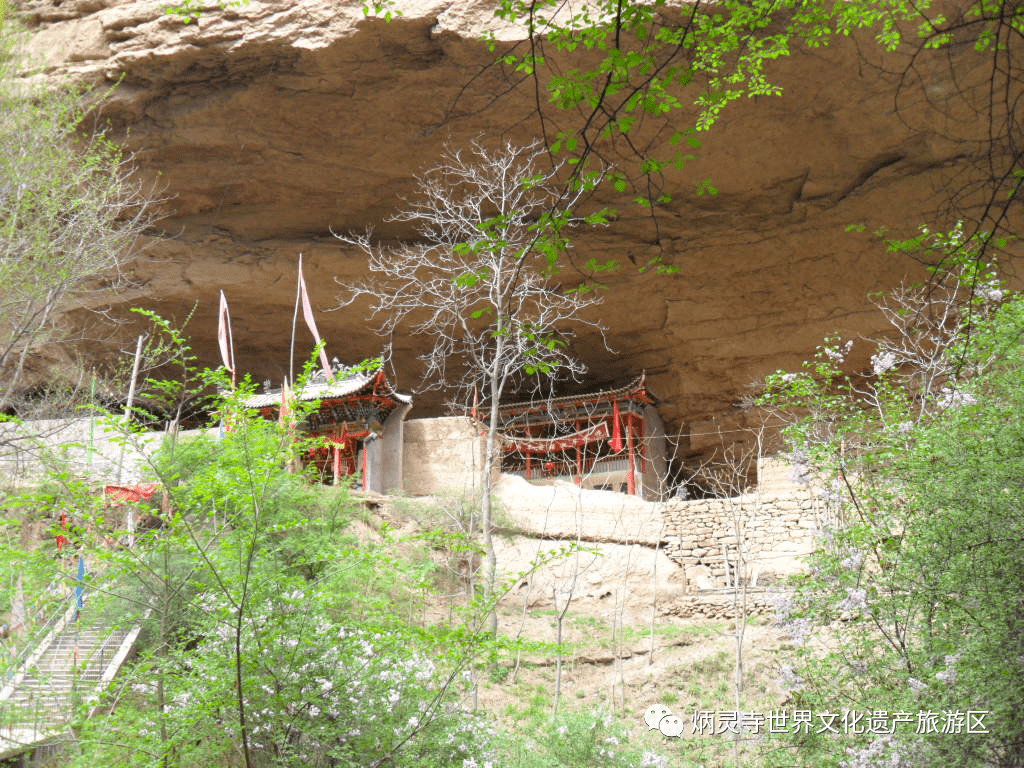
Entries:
{"x":533,"y":702}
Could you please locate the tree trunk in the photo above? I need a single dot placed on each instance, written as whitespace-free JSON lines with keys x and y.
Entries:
{"x":486,"y":507}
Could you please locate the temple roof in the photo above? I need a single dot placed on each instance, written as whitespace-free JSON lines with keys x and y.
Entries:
{"x":346,"y":383}
{"x":636,"y":388}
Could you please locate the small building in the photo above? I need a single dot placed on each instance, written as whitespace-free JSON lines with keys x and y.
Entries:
{"x":609,"y":440}
{"x":360,"y":418}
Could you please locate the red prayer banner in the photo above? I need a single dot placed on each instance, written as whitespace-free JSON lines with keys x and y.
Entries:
{"x":616,"y":443}
{"x":549,"y":445}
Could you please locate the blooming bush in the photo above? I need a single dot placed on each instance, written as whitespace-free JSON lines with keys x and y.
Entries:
{"x":572,"y":738}
{"x":915,"y":593}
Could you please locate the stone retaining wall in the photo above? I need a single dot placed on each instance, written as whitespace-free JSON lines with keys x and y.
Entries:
{"x":754,"y":540}
{"x":721,"y":606}
{"x":770,"y":530}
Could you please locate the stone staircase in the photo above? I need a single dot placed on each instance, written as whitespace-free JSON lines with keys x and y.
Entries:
{"x":76,"y":664}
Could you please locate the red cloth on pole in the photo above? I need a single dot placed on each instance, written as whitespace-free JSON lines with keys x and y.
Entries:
{"x":631,"y":477}
{"x":475,"y":401}
{"x":122,"y":493}
{"x":616,"y":442}
{"x":284,"y":415}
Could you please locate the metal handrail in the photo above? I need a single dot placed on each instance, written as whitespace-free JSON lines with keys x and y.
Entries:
{"x":42,"y":707}
{"x":37,"y":635}
{"x":101,"y":650}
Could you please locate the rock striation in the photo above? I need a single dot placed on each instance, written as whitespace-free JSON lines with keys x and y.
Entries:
{"x":268,"y":125}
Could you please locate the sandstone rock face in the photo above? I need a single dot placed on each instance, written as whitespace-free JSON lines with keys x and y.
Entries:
{"x":271,"y":124}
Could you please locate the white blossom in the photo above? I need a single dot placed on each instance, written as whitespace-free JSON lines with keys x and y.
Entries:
{"x":653,"y":760}
{"x":955,"y":398}
{"x":789,"y":679}
{"x":853,"y":561}
{"x":883,"y":752}
{"x":798,"y":629}
{"x":992,"y":292}
{"x":855,"y":601}
{"x":882,"y":362}
{"x":838,"y":354}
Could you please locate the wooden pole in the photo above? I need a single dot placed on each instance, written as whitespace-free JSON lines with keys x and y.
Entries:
{"x":92,"y":418}
{"x":131,"y":400}
{"x":295,"y":319}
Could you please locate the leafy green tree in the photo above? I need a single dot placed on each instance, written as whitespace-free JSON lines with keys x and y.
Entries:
{"x":273,"y":636}
{"x":634,"y":83}
{"x":915,"y":596}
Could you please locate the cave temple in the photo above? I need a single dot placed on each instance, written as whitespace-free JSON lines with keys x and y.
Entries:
{"x":360,"y":420}
{"x":608,"y":440}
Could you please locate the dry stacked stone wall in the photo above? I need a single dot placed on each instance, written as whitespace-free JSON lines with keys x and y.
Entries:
{"x":725,"y":605}
{"x":755,"y":539}
{"x":737,"y":552}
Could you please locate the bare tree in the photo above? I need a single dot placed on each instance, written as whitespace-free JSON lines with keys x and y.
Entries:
{"x":70,"y":212}
{"x":727,"y":476}
{"x":482,"y":283}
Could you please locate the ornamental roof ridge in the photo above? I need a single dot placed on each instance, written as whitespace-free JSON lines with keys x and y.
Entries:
{"x":354,"y":382}
{"x":639,"y":384}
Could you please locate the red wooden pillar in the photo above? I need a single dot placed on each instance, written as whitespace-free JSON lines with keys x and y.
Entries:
{"x":364,"y":467}
{"x":528,"y":465}
{"x":630,"y":477}
{"x":337,"y":463}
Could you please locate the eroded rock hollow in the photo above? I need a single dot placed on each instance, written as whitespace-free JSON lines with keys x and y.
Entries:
{"x":268,"y":125}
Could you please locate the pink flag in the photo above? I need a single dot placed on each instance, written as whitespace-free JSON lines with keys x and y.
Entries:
{"x":284,"y":415}
{"x":227,"y":352}
{"x":307,"y":312}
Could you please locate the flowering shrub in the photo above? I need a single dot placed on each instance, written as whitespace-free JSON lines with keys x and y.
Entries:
{"x":592,"y":738}
{"x":317,"y":690}
{"x":916,"y":590}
